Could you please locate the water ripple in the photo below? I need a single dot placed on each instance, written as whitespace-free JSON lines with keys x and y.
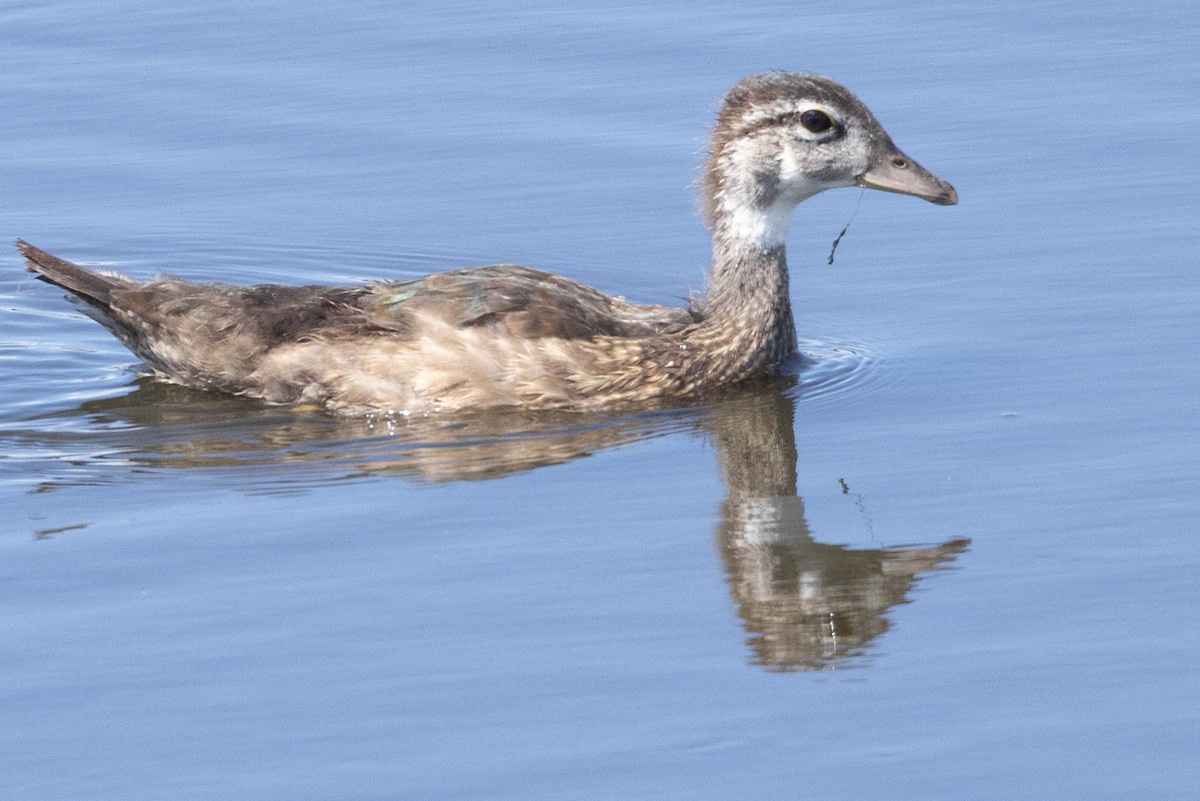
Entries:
{"x":833,"y":372}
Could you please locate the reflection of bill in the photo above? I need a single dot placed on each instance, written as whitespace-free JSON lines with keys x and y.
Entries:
{"x":806,"y":605}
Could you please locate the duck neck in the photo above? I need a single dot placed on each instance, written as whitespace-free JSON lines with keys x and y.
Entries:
{"x":748,"y":309}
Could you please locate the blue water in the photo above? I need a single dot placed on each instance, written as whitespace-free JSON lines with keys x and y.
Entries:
{"x":953,"y":556}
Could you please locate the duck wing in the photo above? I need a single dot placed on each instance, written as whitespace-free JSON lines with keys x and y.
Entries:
{"x":214,"y":334}
{"x":520,"y":302}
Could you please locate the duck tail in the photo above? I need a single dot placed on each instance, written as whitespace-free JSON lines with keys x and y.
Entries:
{"x":94,"y":287}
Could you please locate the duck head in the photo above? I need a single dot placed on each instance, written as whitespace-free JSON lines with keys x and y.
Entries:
{"x":783,"y":137}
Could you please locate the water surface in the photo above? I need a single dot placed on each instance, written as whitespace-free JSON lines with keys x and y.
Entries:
{"x":950,"y":555}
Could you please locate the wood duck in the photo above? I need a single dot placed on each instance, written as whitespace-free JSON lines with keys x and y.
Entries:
{"x":505,"y":335}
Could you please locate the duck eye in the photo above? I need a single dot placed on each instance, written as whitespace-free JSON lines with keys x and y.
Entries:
{"x":816,"y":121}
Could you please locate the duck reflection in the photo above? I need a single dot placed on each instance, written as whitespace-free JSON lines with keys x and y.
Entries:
{"x":806,"y":605}
{"x":161,"y":425}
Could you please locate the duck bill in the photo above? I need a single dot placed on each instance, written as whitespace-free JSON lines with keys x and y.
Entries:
{"x":897,"y":173}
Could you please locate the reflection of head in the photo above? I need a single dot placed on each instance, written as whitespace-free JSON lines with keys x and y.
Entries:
{"x":809,"y":605}
{"x":806,"y":605}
